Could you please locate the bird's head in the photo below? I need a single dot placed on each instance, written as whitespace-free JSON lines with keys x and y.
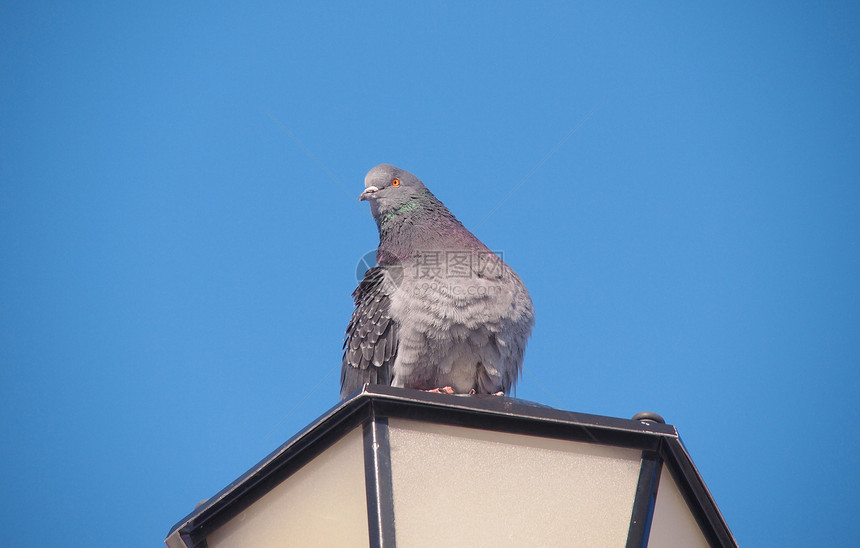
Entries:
{"x":391,"y":190}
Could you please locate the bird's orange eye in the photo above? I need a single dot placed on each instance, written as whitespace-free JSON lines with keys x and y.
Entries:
{"x":395,"y":182}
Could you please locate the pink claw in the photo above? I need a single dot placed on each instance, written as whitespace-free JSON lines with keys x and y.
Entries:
{"x":442,"y":390}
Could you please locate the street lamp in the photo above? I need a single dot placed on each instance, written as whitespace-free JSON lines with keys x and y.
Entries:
{"x":390,"y":466}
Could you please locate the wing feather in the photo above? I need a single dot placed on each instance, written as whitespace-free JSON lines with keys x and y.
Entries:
{"x":371,"y":335}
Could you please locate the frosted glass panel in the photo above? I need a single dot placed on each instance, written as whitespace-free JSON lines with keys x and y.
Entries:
{"x":322,"y":504}
{"x":673,"y":524}
{"x":458,"y":486}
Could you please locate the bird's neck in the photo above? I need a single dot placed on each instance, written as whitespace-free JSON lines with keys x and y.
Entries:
{"x":392,"y":217}
{"x":420,"y":225}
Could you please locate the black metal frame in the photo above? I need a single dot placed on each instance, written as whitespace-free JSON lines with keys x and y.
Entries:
{"x":373,"y":405}
{"x":645,"y":499}
{"x":377,"y":480}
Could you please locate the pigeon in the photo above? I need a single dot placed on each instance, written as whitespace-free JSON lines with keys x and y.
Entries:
{"x":440,"y":312}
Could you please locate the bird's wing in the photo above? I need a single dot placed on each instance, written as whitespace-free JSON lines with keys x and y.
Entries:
{"x":371,"y":336}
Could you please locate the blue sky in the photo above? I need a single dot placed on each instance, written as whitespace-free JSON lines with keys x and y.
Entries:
{"x":180,"y":230}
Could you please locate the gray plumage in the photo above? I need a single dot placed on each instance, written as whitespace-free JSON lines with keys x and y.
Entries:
{"x":440,"y":309}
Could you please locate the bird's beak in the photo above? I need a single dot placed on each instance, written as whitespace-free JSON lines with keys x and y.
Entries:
{"x":368,"y":193}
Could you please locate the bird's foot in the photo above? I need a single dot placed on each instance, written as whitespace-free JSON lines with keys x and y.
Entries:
{"x":441,"y":390}
{"x":472,"y":392}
